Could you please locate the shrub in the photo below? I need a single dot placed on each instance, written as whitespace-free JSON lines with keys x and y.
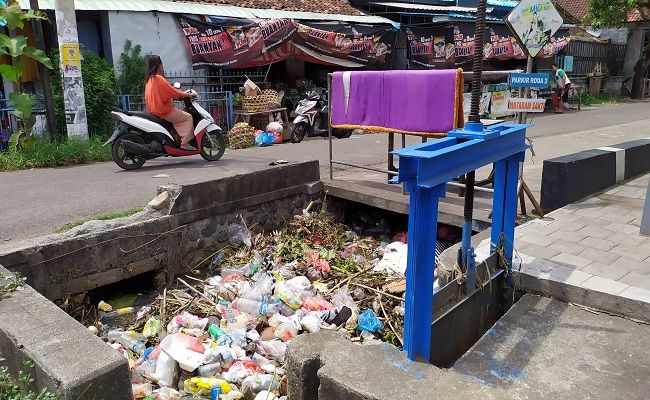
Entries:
{"x":99,"y":93}
{"x":131,"y":68}
{"x":49,"y":153}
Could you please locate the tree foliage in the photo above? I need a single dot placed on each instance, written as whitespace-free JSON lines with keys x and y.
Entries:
{"x":99,"y":92}
{"x":131,"y":68}
{"x":16,"y":47}
{"x":612,"y":13}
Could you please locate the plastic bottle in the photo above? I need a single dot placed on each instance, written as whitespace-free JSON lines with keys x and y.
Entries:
{"x":127,"y":339}
{"x":216,"y":332}
{"x":255,"y":308}
{"x":209,"y":370}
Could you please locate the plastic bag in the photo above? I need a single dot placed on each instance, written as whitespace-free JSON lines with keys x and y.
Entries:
{"x":202,"y":386}
{"x":300,"y":284}
{"x":266,"y":395}
{"x":238,"y":234}
{"x":288,"y":296}
{"x":394,"y":259}
{"x":368,"y":322}
{"x":259,"y":382}
{"x":152,"y":328}
{"x":311,"y":323}
{"x":264,"y":139}
{"x":166,"y":370}
{"x":182,"y":348}
{"x":273,"y":348}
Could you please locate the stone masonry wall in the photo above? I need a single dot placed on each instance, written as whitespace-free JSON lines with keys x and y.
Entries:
{"x":194,"y":225}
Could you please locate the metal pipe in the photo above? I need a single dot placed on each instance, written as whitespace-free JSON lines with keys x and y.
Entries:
{"x":476,"y":188}
{"x":383,"y":171}
{"x":474,"y":117}
{"x":329,"y":125}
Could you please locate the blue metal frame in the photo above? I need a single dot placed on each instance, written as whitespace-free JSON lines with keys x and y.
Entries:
{"x":424,"y":170}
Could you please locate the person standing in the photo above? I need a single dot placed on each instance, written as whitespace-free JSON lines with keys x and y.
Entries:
{"x":563,"y":86}
{"x":158,"y":99}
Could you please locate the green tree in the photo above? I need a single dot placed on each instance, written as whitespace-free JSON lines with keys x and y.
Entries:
{"x":614,"y":13}
{"x":99,"y":92}
{"x":131,"y":68}
{"x":15,"y":46}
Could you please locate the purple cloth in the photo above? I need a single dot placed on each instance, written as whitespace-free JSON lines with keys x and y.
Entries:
{"x":409,"y":101}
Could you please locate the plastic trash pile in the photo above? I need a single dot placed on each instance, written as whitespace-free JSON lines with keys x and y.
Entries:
{"x":224,"y":334}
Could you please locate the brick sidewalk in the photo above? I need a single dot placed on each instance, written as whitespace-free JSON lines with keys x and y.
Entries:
{"x":589,"y":252}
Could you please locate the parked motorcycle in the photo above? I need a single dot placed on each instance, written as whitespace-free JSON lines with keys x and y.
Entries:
{"x":141,"y":136}
{"x":313,"y":119}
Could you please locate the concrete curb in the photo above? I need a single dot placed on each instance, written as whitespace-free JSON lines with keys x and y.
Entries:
{"x":571,"y":177}
{"x":68,"y":359}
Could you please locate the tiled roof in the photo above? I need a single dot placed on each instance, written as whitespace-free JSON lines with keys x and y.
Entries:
{"x":316,"y":6}
{"x":575,"y":8}
{"x":637,"y":16}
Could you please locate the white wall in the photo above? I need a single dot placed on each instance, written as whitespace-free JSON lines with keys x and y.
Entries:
{"x":158,"y":33}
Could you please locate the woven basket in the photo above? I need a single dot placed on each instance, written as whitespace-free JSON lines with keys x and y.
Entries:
{"x":241,"y":136}
{"x":266,"y":100}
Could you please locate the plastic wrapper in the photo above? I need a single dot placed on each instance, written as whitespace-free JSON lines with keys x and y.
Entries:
{"x":238,"y":234}
{"x":186,"y":320}
{"x":368,"y":322}
{"x":316,"y":304}
{"x":167,"y":393}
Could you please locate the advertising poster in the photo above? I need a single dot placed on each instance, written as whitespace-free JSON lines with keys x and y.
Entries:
{"x":500,"y":44}
{"x":499,"y":106}
{"x":363,"y":44}
{"x":71,"y":59}
{"x":232,"y":43}
{"x":534,"y":22}
{"x":431,"y":47}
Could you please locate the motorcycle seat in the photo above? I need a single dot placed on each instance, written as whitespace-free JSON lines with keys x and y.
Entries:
{"x":165,"y":124}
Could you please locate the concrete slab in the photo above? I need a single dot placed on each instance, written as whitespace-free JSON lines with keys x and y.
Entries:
{"x":68,"y":359}
{"x":540,"y":349}
{"x":548,"y":349}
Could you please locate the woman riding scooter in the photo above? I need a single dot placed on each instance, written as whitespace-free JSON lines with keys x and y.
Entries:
{"x":158,"y":97}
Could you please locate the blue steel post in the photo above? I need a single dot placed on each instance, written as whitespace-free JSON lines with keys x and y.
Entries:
{"x":504,"y":205}
{"x":423,"y":223}
{"x":231,"y":113}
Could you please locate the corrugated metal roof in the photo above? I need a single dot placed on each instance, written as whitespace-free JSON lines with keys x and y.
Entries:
{"x":426,"y":7}
{"x":206,"y":9}
{"x":503,"y":3}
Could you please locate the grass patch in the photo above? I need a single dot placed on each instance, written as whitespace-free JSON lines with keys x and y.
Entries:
{"x":48,"y":153}
{"x":69,"y":226}
{"x":602,"y":98}
{"x":11,"y":390}
{"x":119,"y":214}
{"x":103,"y":217}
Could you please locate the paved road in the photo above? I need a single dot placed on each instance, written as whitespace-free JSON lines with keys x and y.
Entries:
{"x":35,"y":202}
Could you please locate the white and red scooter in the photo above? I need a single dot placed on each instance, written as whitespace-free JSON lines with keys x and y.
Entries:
{"x":141,"y":136}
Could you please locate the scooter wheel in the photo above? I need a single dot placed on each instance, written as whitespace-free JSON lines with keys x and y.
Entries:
{"x":298,"y":132}
{"x":213,"y":145}
{"x":124,"y":159}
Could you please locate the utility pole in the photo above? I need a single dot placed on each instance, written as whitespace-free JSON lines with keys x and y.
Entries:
{"x":72,"y":82}
{"x":37,"y":27}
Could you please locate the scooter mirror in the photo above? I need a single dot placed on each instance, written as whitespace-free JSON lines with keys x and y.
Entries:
{"x":177,"y":85}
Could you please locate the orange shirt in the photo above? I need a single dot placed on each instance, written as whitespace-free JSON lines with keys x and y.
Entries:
{"x":158,"y":96}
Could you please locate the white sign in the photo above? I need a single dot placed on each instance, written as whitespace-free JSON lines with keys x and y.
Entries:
{"x":534,"y":22}
{"x":526,"y":105}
